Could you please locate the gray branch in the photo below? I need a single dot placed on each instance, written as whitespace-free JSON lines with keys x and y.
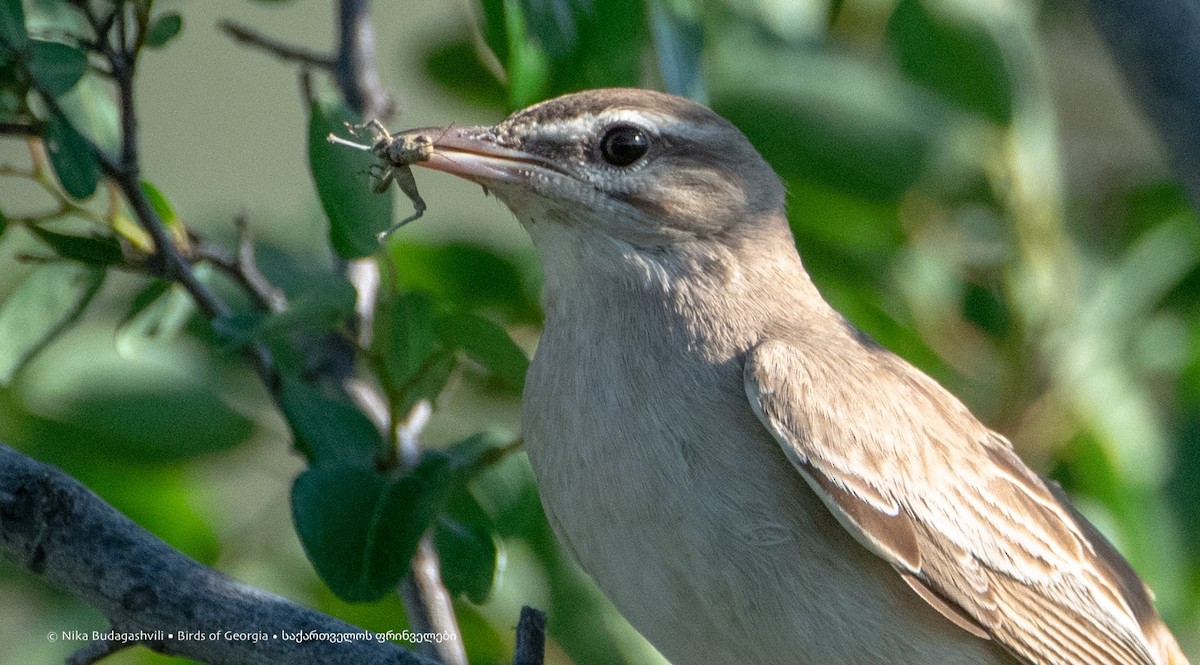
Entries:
{"x":1156,"y":43}
{"x":58,"y":529}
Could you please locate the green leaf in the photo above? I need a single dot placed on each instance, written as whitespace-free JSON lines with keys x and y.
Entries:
{"x":328,"y":428}
{"x":456,"y":66}
{"x":158,"y":201}
{"x":956,"y":58}
{"x":53,"y":66}
{"x":356,"y":213}
{"x":360,"y":528}
{"x":326,"y":306}
{"x":467,"y":277}
{"x":528,"y":66}
{"x":47,"y":301}
{"x":161,"y":403}
{"x":93,"y":250}
{"x":468,"y":455}
{"x":547,"y":48}
{"x":494,"y":28}
{"x":163,"y":29}
{"x":486,"y":343}
{"x":72,"y":159}
{"x":90,"y":108}
{"x":157,"y":313}
{"x":12,"y":28}
{"x":3,"y":223}
{"x":466,"y":547}
{"x":406,"y":338}
{"x":417,"y":365}
{"x":843,"y":124}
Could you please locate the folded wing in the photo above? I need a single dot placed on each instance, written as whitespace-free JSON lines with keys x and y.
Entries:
{"x":916,"y":478}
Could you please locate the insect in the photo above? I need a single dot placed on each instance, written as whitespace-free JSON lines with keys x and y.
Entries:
{"x":396,"y":154}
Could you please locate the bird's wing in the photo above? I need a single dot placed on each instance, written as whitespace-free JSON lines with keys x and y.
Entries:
{"x":917,"y":479}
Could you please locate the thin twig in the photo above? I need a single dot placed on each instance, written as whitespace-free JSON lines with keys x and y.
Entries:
{"x":21,"y":128}
{"x":242,"y":267}
{"x":426,"y":599}
{"x":125,"y":173}
{"x":287,"y":52}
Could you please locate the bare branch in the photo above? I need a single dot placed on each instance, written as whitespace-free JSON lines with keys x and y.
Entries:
{"x":354,"y":66}
{"x":426,"y":599}
{"x":21,"y":128}
{"x":58,"y":529}
{"x":242,"y":267}
{"x":286,"y":52}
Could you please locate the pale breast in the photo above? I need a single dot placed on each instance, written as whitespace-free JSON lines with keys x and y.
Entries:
{"x":655,"y":472}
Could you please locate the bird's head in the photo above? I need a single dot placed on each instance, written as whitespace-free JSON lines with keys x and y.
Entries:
{"x":645,"y":168}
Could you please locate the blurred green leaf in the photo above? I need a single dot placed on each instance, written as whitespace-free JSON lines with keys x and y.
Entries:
{"x":158,"y":313}
{"x":328,"y":427}
{"x":486,"y":343}
{"x":957,"y":59}
{"x":494,"y":28}
{"x":53,"y":17}
{"x":98,"y":251}
{"x":72,"y":159}
{"x":53,"y":66}
{"x":405,"y":336}
{"x":527,"y":65}
{"x":555,"y":46}
{"x":466,"y":547}
{"x":12,"y":28}
{"x":47,"y":301}
{"x":455,"y":65}
{"x":158,"y":201}
{"x":466,"y":277}
{"x":91,"y":111}
{"x":356,"y":213}
{"x":324,"y":307}
{"x":360,"y":528}
{"x":161,"y":403}
{"x":985,"y":308}
{"x":679,"y":43}
{"x":3,"y":223}
{"x":163,"y":29}
{"x":474,"y":452}
{"x":839,"y":122}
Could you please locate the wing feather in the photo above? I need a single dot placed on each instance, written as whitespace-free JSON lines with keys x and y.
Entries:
{"x":922,"y":483}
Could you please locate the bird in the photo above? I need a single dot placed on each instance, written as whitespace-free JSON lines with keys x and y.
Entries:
{"x":747,"y":476}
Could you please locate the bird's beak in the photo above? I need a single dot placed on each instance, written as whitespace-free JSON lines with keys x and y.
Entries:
{"x":474,"y":153}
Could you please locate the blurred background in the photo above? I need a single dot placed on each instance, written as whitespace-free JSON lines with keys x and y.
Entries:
{"x":968,"y":182}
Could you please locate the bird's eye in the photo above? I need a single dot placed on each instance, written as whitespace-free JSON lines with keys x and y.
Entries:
{"x":623,"y":145}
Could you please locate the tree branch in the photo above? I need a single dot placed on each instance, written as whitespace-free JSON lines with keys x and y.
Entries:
{"x":21,"y":128}
{"x":426,"y":599}
{"x":354,"y":65}
{"x":1156,"y":43}
{"x":284,"y":51}
{"x":531,"y":637}
{"x":56,"y":528}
